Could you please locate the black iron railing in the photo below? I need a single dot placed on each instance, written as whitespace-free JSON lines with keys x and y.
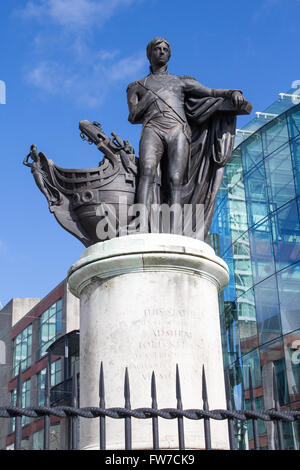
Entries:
{"x":274,"y":415}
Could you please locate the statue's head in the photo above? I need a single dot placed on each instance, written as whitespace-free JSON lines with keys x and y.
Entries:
{"x":158,"y":51}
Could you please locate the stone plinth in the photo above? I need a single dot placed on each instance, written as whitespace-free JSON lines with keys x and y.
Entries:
{"x":149,"y":302}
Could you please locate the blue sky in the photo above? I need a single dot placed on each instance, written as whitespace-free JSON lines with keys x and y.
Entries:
{"x":67,"y":60}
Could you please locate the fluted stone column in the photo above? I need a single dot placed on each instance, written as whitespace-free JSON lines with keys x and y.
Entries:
{"x":149,"y":302}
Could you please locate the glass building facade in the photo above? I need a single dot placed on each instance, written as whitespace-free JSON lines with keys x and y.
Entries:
{"x":256,"y":230}
{"x":50,"y":326}
{"x":22,"y":350}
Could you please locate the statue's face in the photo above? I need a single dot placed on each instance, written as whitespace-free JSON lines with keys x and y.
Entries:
{"x":160,"y":54}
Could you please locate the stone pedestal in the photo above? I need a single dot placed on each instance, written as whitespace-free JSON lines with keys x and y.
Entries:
{"x":149,"y":302}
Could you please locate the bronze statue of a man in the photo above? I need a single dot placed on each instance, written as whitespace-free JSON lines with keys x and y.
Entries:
{"x":159,"y":102}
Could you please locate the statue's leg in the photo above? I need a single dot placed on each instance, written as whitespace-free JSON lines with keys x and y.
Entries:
{"x":150,"y":153}
{"x":178,"y":154}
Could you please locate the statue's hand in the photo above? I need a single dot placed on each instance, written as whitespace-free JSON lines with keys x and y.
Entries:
{"x":237,"y":99}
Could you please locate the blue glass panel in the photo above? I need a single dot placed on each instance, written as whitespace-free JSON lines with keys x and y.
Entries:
{"x":261,"y":251}
{"x":231,"y":331}
{"x":221,"y":227}
{"x":292,"y":360}
{"x":293,"y":117}
{"x":295,"y":151}
{"x":22,"y":349}
{"x":274,"y":134}
{"x":267,"y":310}
{"x":59,"y":304}
{"x":280,"y":178}
{"x":272,"y":357}
{"x":247,"y":321}
{"x":233,"y":170}
{"x":242,"y":264}
{"x":236,"y":385}
{"x":289,"y":297}
{"x":256,"y":195}
{"x":229,"y":292}
{"x":286,"y":235}
{"x":251,"y":363}
{"x":237,"y":209}
{"x":59,"y":322}
{"x":252,"y":152}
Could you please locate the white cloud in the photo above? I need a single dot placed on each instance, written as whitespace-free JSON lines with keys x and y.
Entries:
{"x":87,"y":84}
{"x":47,"y":75}
{"x":127,"y":67}
{"x":64,"y":63}
{"x":73,"y":13}
{"x":265,"y":9}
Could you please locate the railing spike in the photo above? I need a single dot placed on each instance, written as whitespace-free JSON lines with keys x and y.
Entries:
{"x":253,"y":408}
{"x":178,"y":387}
{"x":207,"y":433}
{"x":229,"y":408}
{"x":154,"y":418}
{"x":126,"y":388}
{"x":18,"y":419}
{"x":204,"y":387}
{"x":277,"y":408}
{"x":74,"y":419}
{"x":128,"y":438}
{"x":102,"y":428}
{"x":101,"y":385}
{"x":47,"y":404}
{"x":179,"y":407}
{"x":153,"y":390}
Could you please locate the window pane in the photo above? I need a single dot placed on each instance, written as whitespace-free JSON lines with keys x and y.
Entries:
{"x":58,"y":322}
{"x":289,"y":297}
{"x":251,"y":363}
{"x":50,"y":326}
{"x":247,"y":321}
{"x":267,"y":310}
{"x":52,"y":331}
{"x":22,"y":346}
{"x":252,"y":151}
{"x":280,"y":178}
{"x":221,"y":226}
{"x":272,"y":356}
{"x":256,"y":195}
{"x":242,"y":264}
{"x":274,"y":135}
{"x":293,"y":117}
{"x":237,"y":208}
{"x":295,"y":150}
{"x":292,"y":360}
{"x":55,"y":437}
{"x":286,"y":235}
{"x":236,"y":385}
{"x":261,"y":251}
{"x":234,"y":169}
{"x":56,"y":372}
{"x":38,"y":440}
{"x":231,"y":332}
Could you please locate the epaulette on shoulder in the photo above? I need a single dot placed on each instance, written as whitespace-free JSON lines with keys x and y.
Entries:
{"x":187,"y":76}
{"x":131,"y":85}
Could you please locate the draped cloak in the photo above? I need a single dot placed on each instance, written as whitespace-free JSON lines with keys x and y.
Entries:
{"x":212,"y":142}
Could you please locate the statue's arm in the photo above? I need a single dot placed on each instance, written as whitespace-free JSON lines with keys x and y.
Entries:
{"x":138,"y":104}
{"x":191,"y":85}
{"x":26,"y":162}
